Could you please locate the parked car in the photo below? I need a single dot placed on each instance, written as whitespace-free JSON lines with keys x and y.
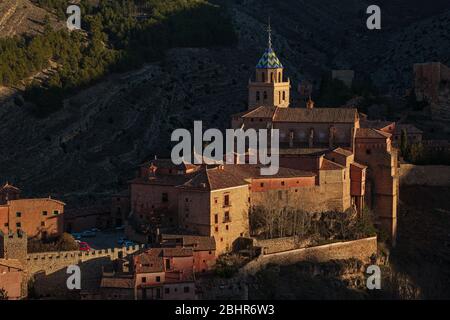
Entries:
{"x":84,"y":246}
{"x":128,"y":244}
{"x":88,"y":234}
{"x":121,"y":241}
{"x":76,"y":236}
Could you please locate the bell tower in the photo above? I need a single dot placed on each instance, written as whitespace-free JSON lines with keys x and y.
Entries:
{"x":269,"y":88}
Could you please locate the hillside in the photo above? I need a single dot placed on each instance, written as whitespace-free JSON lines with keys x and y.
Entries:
{"x":90,"y":147}
{"x":22,"y":17}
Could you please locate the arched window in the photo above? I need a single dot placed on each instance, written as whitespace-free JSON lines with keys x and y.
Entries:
{"x":279,"y":77}
{"x":271,"y":77}
{"x":263,"y":77}
{"x":279,"y":96}
{"x":257,"y":96}
{"x":265,"y":95}
{"x":284,"y":95}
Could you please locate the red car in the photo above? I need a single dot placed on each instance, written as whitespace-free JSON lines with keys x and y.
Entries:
{"x":84,"y":246}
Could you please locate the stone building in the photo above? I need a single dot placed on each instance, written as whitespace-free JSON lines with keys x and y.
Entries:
{"x":13,"y":254}
{"x":331,"y":140}
{"x":38,"y":218}
{"x":153,"y":274}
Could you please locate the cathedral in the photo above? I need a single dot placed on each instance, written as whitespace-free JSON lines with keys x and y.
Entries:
{"x":311,"y":135}
{"x":330,"y":159}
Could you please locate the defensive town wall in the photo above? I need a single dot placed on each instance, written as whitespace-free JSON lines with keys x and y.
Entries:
{"x":424,"y":175}
{"x":362,"y":249}
{"x":49,"y":270}
{"x":49,"y":262}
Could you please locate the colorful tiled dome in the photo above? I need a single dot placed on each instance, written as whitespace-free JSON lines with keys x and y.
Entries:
{"x":269,"y":60}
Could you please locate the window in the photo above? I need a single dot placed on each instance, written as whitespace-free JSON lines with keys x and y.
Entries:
{"x":263,"y":77}
{"x":265,"y":95}
{"x":282,"y":183}
{"x":158,"y":279}
{"x":221,"y":239}
{"x":167,"y":264}
{"x":18,"y":225}
{"x":186,"y":200}
{"x":258,"y":97}
{"x":216,"y":218}
{"x":18,"y":214}
{"x":279,"y":77}
{"x":368,"y":151}
{"x":56,"y":212}
{"x":262,"y":184}
{"x":226,"y":200}
{"x":42,"y":223}
{"x":216,"y":200}
{"x":271,"y":77}
{"x":186,"y":289}
{"x":165,"y":197}
{"x":167,"y":290}
{"x":6,"y":224}
{"x":44,"y":213}
{"x":226,"y":218}
{"x":217,"y":229}
{"x":284,"y":95}
{"x":227,"y":228}
{"x":144,"y":279}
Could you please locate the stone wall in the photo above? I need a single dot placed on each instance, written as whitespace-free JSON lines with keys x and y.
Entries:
{"x":280,"y":244}
{"x":424,"y":175}
{"x":361,"y":249}
{"x":49,"y":269}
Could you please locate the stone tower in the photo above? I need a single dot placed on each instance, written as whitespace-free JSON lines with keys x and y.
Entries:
{"x":13,"y":245}
{"x":269,"y":88}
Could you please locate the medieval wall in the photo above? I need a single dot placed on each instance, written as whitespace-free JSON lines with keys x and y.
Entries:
{"x":49,"y":269}
{"x":361,"y":249}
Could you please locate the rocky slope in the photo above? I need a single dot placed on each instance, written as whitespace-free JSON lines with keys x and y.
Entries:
{"x":92,"y":146}
{"x":18,"y":17}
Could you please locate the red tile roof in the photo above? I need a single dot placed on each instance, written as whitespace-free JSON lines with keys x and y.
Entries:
{"x":371,"y":133}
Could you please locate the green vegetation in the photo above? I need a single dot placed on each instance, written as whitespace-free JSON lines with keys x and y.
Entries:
{"x":65,"y":242}
{"x":119,"y":36}
{"x":3,"y":294}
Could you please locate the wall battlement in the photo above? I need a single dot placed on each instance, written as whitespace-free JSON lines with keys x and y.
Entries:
{"x":49,"y":262}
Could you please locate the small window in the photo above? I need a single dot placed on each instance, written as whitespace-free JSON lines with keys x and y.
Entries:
{"x":262,"y":185}
{"x":216,"y":218}
{"x":186,"y":200}
{"x":226,"y":218}
{"x":144,"y":279}
{"x":282,"y":183}
{"x":216,"y":229}
{"x":221,"y":239}
{"x":227,"y":228}
{"x":18,"y":214}
{"x":6,"y":224}
{"x":165,"y":197}
{"x":368,"y":151}
{"x":226,"y":200}
{"x":258,"y":97}
{"x":44,"y":213}
{"x":42,"y":223}
{"x":18,"y":225}
{"x":186,"y":289}
{"x":284,"y":95}
{"x":265,"y":95}
{"x":56,"y":212}
{"x":158,"y":279}
{"x":216,"y":200}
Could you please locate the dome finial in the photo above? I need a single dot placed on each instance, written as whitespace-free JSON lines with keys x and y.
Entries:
{"x":269,"y":31}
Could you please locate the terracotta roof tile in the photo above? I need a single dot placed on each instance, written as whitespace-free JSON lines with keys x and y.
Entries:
{"x":371,"y":133}
{"x":316,"y":115}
